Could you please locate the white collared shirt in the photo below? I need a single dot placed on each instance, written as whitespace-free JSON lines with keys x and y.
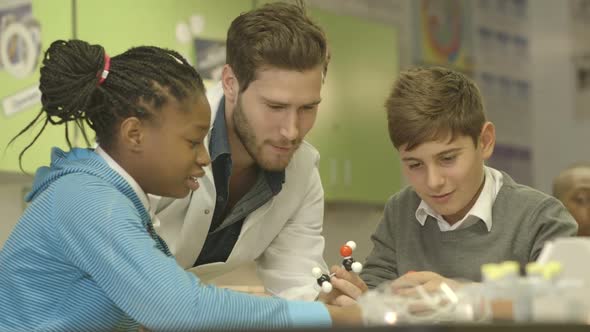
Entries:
{"x":481,"y":210}
{"x":134,"y":185}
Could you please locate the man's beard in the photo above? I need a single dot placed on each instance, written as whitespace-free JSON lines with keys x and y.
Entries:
{"x":247,"y":136}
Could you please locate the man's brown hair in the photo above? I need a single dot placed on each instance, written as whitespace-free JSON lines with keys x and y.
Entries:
{"x":279,"y":35}
{"x":427,"y":104}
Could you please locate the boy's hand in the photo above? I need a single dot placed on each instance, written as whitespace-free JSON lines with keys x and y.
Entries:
{"x":430,"y":281}
{"x":347,"y":287}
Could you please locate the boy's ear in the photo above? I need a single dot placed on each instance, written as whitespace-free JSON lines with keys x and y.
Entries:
{"x":132,"y":134}
{"x":487,"y":140}
{"x":229,"y":81}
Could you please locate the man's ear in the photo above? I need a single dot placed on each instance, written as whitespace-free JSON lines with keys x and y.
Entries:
{"x":229,"y":81}
{"x":132,"y":134}
{"x":487,"y":140}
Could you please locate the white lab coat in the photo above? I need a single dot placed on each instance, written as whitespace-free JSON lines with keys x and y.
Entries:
{"x":283,"y":236}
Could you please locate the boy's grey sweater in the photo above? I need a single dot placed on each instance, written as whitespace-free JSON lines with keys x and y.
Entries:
{"x":522,"y":220}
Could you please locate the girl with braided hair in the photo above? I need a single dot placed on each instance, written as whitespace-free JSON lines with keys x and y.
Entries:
{"x":84,"y":255}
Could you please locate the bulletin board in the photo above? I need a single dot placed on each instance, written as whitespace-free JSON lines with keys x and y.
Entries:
{"x":27,"y":27}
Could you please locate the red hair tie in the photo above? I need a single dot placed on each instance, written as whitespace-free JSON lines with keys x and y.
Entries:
{"x":105,"y":72}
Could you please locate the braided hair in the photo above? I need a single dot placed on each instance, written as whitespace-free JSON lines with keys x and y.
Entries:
{"x":140,"y":81}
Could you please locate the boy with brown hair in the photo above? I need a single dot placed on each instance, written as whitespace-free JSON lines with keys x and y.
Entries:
{"x":457,"y":213}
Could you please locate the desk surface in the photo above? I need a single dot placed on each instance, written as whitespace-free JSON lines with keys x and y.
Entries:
{"x":461,"y":328}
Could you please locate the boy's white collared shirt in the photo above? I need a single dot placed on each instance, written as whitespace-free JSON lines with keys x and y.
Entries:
{"x":481,"y":210}
{"x":134,"y":185}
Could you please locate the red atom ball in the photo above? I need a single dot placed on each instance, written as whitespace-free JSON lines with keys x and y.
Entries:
{"x":345,"y":251}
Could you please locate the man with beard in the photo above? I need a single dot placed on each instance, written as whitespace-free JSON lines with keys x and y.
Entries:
{"x":261,"y":199}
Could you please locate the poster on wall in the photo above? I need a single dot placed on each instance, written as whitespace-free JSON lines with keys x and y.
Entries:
{"x":210,"y":58}
{"x":20,"y":49}
{"x":209,"y":53}
{"x":444,"y":34}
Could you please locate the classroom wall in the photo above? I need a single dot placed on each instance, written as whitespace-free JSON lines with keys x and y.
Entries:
{"x":358,"y":162}
{"x":561,"y":125}
{"x":350,"y":116}
{"x":556,"y":126}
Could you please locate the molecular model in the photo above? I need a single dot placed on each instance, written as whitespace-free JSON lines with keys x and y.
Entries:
{"x":348,"y":263}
